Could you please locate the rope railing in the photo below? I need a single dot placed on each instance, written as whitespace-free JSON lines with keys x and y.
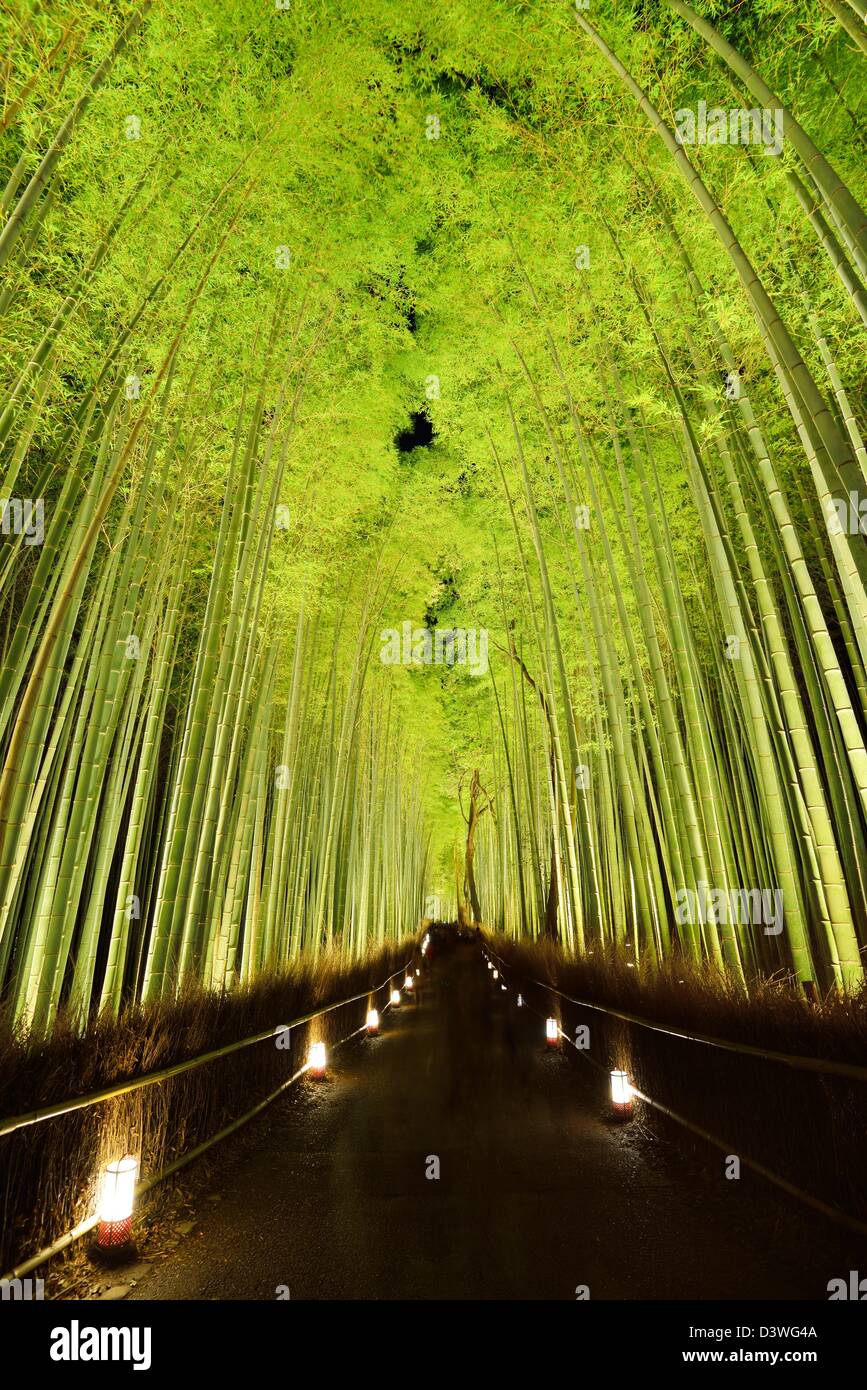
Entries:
{"x":835,"y":1214}
{"x":66,"y":1107}
{"x":789,"y":1059}
{"x":94,"y":1097}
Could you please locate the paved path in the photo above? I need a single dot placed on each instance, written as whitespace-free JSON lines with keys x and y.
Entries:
{"x":539,"y":1190}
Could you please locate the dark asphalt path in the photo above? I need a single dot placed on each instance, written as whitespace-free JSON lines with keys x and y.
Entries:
{"x":539,"y":1190}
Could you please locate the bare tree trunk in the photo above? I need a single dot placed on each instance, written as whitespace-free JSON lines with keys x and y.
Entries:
{"x":460,"y":890}
{"x":553,"y":902}
{"x":470,"y":851}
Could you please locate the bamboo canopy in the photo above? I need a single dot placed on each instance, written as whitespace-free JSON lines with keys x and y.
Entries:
{"x":433,"y":484}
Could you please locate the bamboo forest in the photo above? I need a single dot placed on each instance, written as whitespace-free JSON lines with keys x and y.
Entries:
{"x":434,"y":500}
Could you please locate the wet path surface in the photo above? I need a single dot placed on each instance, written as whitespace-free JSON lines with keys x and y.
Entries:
{"x":539,"y":1190}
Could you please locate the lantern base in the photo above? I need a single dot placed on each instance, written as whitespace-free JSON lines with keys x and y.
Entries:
{"x":114,"y":1244}
{"x":622,"y":1112}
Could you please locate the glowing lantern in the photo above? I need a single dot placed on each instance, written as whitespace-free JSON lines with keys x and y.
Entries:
{"x":552,"y":1032}
{"x":496,"y":975}
{"x":417,"y":971}
{"x":395,"y":998}
{"x":407,"y":984}
{"x":490,"y":967}
{"x":520,"y":1001}
{"x":316,"y":1059}
{"x":372,"y":1022}
{"x":116,"y":1198}
{"x":621,"y":1092}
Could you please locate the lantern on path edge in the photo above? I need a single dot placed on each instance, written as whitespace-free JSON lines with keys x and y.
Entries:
{"x":116,"y":1201}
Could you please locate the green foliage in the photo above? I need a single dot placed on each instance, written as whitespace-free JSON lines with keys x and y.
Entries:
{"x":414,"y":258}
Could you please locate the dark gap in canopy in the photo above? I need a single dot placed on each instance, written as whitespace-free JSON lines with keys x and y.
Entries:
{"x":419,"y":435}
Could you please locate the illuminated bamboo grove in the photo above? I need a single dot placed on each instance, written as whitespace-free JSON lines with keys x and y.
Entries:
{"x":689,"y":774}
{"x":155,"y":834}
{"x":648,"y":455}
{"x":167,"y":820}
